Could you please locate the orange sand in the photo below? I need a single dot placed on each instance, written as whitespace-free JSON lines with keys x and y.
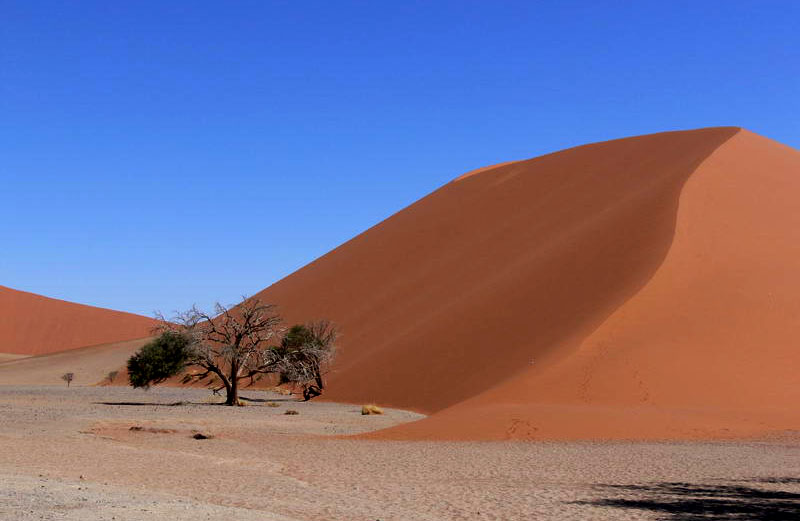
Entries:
{"x":643,"y":288}
{"x":640,"y":288}
{"x":34,"y":325}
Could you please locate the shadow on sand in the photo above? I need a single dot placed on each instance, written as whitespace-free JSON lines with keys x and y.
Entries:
{"x":265,"y":400}
{"x":695,"y":502}
{"x":155,"y":404}
{"x":181,"y":403}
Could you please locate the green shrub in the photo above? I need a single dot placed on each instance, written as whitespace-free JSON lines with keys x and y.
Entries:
{"x":163,"y":357}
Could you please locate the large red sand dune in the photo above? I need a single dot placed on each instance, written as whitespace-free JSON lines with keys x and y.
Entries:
{"x":647,"y":287}
{"x":33,"y":325}
{"x":640,"y":288}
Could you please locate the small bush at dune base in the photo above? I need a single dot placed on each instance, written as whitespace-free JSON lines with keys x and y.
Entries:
{"x":273,"y":404}
{"x":159,"y":359}
{"x":371,"y":409}
{"x":291,"y":412}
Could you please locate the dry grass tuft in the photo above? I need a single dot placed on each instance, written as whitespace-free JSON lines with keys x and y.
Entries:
{"x":273,"y":404}
{"x":291,"y":412}
{"x":371,"y":409}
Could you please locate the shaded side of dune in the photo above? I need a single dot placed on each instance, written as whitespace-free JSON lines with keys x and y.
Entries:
{"x":33,"y":325}
{"x":497,"y":272}
{"x":706,"y":349}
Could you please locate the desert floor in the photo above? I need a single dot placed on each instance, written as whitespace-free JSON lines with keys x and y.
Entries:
{"x":71,"y":454}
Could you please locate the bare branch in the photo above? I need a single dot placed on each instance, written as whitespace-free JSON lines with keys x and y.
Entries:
{"x":238,"y":343}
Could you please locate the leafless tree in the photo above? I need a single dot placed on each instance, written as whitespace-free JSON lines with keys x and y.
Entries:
{"x":305,"y":354}
{"x":237,"y":345}
{"x":111,"y":375}
{"x":68,"y":377}
{"x":230,"y":346}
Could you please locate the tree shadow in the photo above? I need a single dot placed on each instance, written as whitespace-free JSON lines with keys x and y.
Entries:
{"x":180,"y":403}
{"x":265,"y":400}
{"x":155,"y":404}
{"x":695,"y":502}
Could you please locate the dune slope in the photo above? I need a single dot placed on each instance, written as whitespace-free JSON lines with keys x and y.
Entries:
{"x":90,"y":365}
{"x":706,"y":349}
{"x":33,"y":325}
{"x":498,"y":272}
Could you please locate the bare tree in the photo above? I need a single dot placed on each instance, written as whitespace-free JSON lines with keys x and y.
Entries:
{"x":235,"y":345}
{"x":68,"y":377}
{"x":111,"y":375}
{"x":305,"y":354}
{"x":231,"y":346}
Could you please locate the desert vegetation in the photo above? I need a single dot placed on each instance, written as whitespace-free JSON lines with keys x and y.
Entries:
{"x":302,"y":354}
{"x":367,"y":410}
{"x":234,"y":347}
{"x":68,"y":377}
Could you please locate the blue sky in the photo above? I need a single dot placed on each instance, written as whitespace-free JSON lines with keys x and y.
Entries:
{"x":159,"y":154}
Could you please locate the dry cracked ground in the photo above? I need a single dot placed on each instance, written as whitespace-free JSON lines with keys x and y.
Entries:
{"x":107,"y":453}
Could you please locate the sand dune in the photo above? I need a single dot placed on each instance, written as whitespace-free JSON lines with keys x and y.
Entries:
{"x":708,"y":348}
{"x":90,"y":365}
{"x":638,"y":288}
{"x":33,"y":325}
{"x":643,"y":288}
{"x":466,"y":287}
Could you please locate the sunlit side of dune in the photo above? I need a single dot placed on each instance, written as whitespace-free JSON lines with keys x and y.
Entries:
{"x":33,"y":325}
{"x":707,"y":348}
{"x":511,"y":266}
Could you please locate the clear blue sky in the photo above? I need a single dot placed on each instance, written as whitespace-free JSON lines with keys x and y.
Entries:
{"x":159,"y":154}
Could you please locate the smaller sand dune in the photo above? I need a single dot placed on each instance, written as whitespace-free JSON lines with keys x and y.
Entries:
{"x":90,"y":365}
{"x":31,"y":324}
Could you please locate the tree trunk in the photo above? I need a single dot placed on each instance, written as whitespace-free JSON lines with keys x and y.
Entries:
{"x":233,"y":392}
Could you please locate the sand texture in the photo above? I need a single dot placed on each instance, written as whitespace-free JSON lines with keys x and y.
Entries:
{"x":6,"y":357}
{"x":71,"y":454}
{"x":706,"y":349}
{"x":643,"y":288}
{"x":33,"y":325}
{"x":90,"y":365}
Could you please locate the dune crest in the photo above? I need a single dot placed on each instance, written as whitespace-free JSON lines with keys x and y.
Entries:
{"x":706,"y":349}
{"x":483,"y":169}
{"x":641,"y":288}
{"x":493,"y":282}
{"x":31,"y":324}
